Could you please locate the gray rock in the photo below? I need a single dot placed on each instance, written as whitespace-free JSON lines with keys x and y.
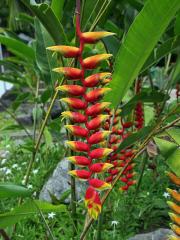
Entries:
{"x":59,"y":182}
{"x":160,"y":234}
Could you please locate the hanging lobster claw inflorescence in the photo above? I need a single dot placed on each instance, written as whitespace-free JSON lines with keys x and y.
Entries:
{"x":86,"y":115}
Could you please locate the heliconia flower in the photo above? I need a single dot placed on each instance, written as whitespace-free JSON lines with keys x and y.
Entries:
{"x":129,"y":154}
{"x":100,"y":167}
{"x":122,"y":157}
{"x":93,"y":37}
{"x":114,"y":171}
{"x":93,"y":61}
{"x":99,"y":184}
{"x":131,"y":182}
{"x":69,"y":72}
{"x":75,"y":116}
{"x":175,"y":218}
{"x":174,"y":206}
{"x":174,"y":194}
{"x":98,"y":137}
{"x":74,"y":103}
{"x":79,"y":160}
{"x":96,"y":108}
{"x":124,"y":179}
{"x":127,"y":124}
{"x":175,"y":228}
{"x":66,"y":51}
{"x":74,"y":90}
{"x":173,"y":238}
{"x":130,"y":175}
{"x":93,"y":202}
{"x":113,"y":139}
{"x":78,"y":146}
{"x":96,"y":122}
{"x":96,"y":78}
{"x":100,"y":152}
{"x":81,"y":174}
{"x":77,"y":130}
{"x":173,"y":178}
{"x":95,"y":94}
{"x":124,"y":188}
{"x":109,"y":179}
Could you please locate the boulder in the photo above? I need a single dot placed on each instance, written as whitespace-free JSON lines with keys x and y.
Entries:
{"x":160,"y":234}
{"x":59,"y":182}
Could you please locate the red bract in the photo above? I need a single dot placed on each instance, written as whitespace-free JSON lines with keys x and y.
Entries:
{"x":69,"y":72}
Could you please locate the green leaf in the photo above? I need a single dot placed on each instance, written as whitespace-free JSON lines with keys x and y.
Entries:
{"x":48,"y":137}
{"x":175,"y":134}
{"x":11,"y":127}
{"x":173,"y":162}
{"x":176,"y":73}
{"x":177,"y":25}
{"x":49,"y":20}
{"x":139,"y":42}
{"x":145,"y":97}
{"x":44,"y":59}
{"x":168,"y":46}
{"x":28,"y":209}
{"x":166,"y":147}
{"x":57,"y":7}
{"x":11,"y":190}
{"x":140,"y":135}
{"x":18,"y":48}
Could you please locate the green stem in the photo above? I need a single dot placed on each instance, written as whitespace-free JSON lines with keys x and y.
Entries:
{"x":99,"y":227}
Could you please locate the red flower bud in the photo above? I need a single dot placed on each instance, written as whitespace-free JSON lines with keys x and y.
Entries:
{"x":124,"y":188}
{"x":77,"y":130}
{"x":96,"y":78}
{"x":79,"y":160}
{"x":175,"y":218}
{"x":96,"y":122}
{"x":74,"y":90}
{"x":81,"y":174}
{"x":100,"y":167}
{"x":95,"y":94}
{"x":75,"y":116}
{"x":66,"y":51}
{"x":69,"y":72}
{"x":109,"y":179}
{"x":98,"y":137}
{"x":100,"y":153}
{"x":78,"y":146}
{"x":93,"y":61}
{"x":99,"y":184}
{"x":75,"y":103}
{"x":96,"y":108}
{"x":93,"y":37}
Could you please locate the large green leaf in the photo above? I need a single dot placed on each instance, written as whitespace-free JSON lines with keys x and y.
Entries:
{"x":139,"y":42}
{"x":11,"y":190}
{"x":47,"y":17}
{"x":173,"y":162}
{"x":28,"y":209}
{"x":57,"y":7}
{"x":168,"y":46}
{"x":166,"y":147}
{"x":175,"y":134}
{"x":44,"y":59}
{"x":176,"y":72}
{"x":18,"y":48}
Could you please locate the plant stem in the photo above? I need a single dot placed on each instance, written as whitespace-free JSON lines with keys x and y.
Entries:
{"x":28,"y":172}
{"x":4,"y":234}
{"x":99,"y":227}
